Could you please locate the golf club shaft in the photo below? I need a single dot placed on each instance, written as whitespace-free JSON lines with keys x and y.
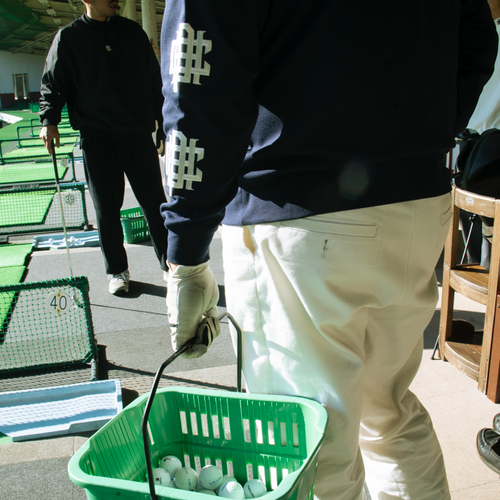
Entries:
{"x":54,"y":163}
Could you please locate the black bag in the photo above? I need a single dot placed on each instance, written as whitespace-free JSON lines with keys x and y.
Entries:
{"x":478,"y":164}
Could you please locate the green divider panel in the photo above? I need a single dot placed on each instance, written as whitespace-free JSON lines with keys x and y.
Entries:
{"x":23,"y":208}
{"x":47,"y":324}
{"x":38,"y":209}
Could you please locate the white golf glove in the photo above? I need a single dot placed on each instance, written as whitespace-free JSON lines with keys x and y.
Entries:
{"x":192,"y":297}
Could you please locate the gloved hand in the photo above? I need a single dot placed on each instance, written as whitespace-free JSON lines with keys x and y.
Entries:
{"x":192,"y":297}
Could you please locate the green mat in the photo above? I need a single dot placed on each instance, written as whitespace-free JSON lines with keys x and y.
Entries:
{"x":5,"y":439}
{"x":9,"y":276}
{"x":21,"y":113}
{"x":68,"y":137}
{"x":10,"y":131}
{"x":14,"y":254}
{"x":38,"y":151}
{"x":22,"y":208}
{"x":35,"y":172}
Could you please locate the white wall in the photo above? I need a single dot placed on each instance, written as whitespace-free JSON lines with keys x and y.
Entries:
{"x":11,"y":64}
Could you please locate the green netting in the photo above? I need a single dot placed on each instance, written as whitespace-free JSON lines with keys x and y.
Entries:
{"x":38,"y":209}
{"x":25,"y":207}
{"x":23,"y":170}
{"x":46,"y":324}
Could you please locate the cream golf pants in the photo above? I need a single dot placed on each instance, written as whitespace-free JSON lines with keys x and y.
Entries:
{"x":333,"y":307}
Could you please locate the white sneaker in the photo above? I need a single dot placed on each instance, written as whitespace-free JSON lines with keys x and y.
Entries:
{"x":119,"y":282}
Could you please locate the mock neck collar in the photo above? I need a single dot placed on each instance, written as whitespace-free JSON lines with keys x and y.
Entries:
{"x":95,"y":22}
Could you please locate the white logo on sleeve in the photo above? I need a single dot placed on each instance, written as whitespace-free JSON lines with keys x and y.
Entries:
{"x":186,"y":56}
{"x":180,"y":158}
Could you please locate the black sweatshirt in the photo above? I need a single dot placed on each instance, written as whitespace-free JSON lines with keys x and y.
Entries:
{"x":108,"y":75}
{"x":281,"y":109}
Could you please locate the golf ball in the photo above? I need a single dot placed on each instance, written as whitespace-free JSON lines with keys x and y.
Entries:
{"x":225,"y":479}
{"x":208,"y":492}
{"x":210,"y":477}
{"x":232,"y":489}
{"x":161,"y":476}
{"x":254,"y":488}
{"x":186,"y":479}
{"x":171,"y":464}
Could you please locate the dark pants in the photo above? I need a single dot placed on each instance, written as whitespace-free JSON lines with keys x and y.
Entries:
{"x":106,"y":161}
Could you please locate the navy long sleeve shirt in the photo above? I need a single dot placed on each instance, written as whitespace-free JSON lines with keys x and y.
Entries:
{"x":282,"y":109}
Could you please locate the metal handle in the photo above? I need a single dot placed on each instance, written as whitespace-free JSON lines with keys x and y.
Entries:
{"x":149,"y":404}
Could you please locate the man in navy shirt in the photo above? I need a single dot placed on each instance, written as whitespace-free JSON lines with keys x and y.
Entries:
{"x":316,"y":133}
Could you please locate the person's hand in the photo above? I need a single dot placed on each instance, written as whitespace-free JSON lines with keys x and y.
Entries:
{"x":192,"y":297}
{"x":48,"y":134}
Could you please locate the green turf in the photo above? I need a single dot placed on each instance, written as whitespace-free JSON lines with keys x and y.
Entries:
{"x":5,"y":439}
{"x":67,"y":138}
{"x":20,"y":113}
{"x":34,"y":172}
{"x":11,"y":275}
{"x":8,"y":276}
{"x":9,"y":132}
{"x":21,"y":208}
{"x":38,"y":151}
{"x":14,"y":254}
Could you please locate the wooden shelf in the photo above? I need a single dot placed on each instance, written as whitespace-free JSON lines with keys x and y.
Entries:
{"x":465,"y":357}
{"x":463,"y":349}
{"x":475,"y":354}
{"x":471,"y":281}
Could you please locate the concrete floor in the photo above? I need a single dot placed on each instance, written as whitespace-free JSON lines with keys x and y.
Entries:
{"x":132,"y":334}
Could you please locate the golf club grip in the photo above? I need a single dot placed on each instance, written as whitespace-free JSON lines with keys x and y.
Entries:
{"x":54,"y":161}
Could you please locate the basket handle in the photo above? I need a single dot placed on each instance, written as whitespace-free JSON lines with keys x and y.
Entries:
{"x":149,"y":404}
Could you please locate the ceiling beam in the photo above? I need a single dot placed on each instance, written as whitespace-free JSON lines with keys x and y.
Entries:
{"x":65,"y":11}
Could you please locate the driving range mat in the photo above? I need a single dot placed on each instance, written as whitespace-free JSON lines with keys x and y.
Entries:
{"x":34,"y":172}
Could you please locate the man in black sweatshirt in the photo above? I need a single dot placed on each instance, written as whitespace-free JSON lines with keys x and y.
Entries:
{"x":316,"y":132}
{"x":104,"y":68}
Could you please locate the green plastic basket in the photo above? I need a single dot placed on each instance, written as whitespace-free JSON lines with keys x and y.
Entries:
{"x":272,"y":438}
{"x":135,"y":226}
